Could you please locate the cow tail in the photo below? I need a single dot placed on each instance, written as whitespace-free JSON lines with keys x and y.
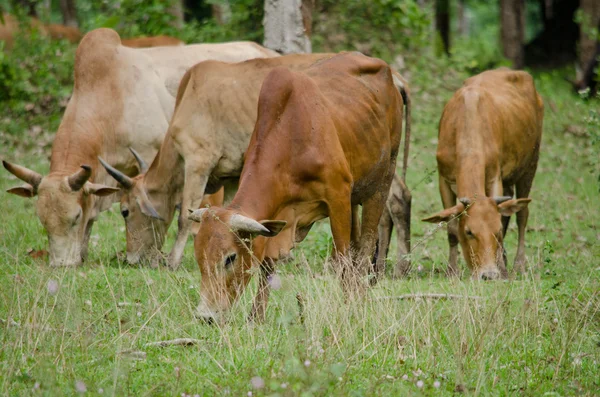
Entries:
{"x":404,"y":92}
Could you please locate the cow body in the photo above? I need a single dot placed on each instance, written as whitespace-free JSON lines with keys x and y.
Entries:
{"x":122,"y":98}
{"x":203,"y":150}
{"x":325,"y":142}
{"x":152,"y":41}
{"x":489,"y":141}
{"x":11,"y":27}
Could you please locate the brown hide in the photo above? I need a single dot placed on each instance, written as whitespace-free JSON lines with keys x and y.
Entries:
{"x":325,"y":141}
{"x":153,"y":41}
{"x":10,"y":27}
{"x":489,"y":141}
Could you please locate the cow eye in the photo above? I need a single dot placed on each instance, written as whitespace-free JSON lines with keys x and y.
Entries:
{"x":469,"y":233}
{"x":125,"y":213}
{"x":229,"y":260}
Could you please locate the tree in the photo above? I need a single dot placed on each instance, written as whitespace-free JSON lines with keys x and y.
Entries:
{"x":512,"y":31}
{"x":69,"y":12}
{"x":588,"y":37}
{"x":176,"y":9}
{"x":288,"y":25}
{"x":221,"y":12}
{"x":442,"y":22}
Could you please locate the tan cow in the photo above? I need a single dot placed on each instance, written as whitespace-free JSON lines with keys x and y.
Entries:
{"x":325,"y":142}
{"x":122,"y":98}
{"x":489,"y":142}
{"x":152,"y":41}
{"x":206,"y":142}
{"x":11,"y":26}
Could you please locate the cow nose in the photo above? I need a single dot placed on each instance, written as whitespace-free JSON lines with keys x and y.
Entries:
{"x":490,"y":275}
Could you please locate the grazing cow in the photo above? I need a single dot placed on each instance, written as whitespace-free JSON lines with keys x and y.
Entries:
{"x":325,"y":142}
{"x":153,"y":41}
{"x":122,"y":98}
{"x":489,"y":143}
{"x":11,"y":26}
{"x":204,"y":147}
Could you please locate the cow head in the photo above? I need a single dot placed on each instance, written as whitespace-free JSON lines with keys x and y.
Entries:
{"x":146,"y":221}
{"x":64,"y":207}
{"x":225,"y":251}
{"x":480,"y":231}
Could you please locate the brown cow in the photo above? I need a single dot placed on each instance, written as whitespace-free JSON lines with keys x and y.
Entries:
{"x":325,"y":142}
{"x":11,"y":26}
{"x":122,"y":97}
{"x":153,"y":41}
{"x":489,"y":142}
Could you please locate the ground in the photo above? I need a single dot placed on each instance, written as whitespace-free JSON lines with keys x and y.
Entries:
{"x":65,"y":331}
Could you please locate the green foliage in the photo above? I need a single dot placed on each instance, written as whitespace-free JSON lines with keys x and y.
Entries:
{"x":383,"y":28}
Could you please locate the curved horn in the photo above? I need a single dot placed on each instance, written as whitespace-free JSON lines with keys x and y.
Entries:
{"x":501,"y":199}
{"x":24,"y":174}
{"x":140,"y":160}
{"x":465,"y":201}
{"x":196,"y":215}
{"x":120,"y":177}
{"x":79,"y":178}
{"x":240,"y":223}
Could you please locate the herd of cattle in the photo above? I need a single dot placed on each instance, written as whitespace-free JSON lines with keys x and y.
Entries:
{"x":286,"y":141}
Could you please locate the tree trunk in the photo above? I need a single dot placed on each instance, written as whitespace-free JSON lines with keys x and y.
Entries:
{"x":27,"y":5}
{"x":442,"y":23}
{"x":176,"y":10}
{"x":221,"y":12}
{"x":512,"y":27}
{"x":69,"y":12}
{"x":463,"y":21}
{"x":587,"y":41}
{"x":288,"y":24}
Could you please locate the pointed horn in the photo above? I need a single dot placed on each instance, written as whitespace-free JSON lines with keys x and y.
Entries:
{"x":240,"y":223}
{"x":140,"y":160}
{"x":501,"y":199}
{"x":79,"y":178}
{"x":196,"y":215}
{"x":120,"y":177}
{"x":24,"y":174}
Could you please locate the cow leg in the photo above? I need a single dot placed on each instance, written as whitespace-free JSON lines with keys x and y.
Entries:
{"x":449,"y":200}
{"x":398,"y":205}
{"x":355,"y":234}
{"x":371,"y":215}
{"x":196,"y":178}
{"x":340,"y":219}
{"x":508,"y":191}
{"x":523,"y":189}
{"x":385,"y":235}
{"x":86,"y":239}
{"x":259,"y":307}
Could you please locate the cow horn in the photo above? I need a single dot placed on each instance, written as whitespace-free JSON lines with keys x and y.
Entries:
{"x":79,"y":178}
{"x":24,"y":174}
{"x":240,"y":223}
{"x":140,"y":160}
{"x":501,"y":199}
{"x":465,"y":201}
{"x":120,"y":177}
{"x":196,"y":215}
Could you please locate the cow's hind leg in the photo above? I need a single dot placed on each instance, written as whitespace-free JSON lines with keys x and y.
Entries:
{"x":449,"y":200}
{"x":523,"y":189}
{"x":259,"y":307}
{"x":381,"y":252}
{"x":371,"y":215}
{"x":398,"y":205}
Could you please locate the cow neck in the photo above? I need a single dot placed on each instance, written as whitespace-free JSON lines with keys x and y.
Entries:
{"x":470,"y":149}
{"x":260,"y":197}
{"x":166,"y":172}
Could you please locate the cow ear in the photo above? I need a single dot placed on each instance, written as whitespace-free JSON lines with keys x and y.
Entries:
{"x":99,"y":190}
{"x":26,"y":191}
{"x":274,"y":227}
{"x":513,"y":206}
{"x":445,"y":215}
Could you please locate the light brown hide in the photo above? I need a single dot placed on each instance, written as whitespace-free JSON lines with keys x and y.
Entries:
{"x":11,"y":27}
{"x":308,"y":159}
{"x":489,"y":142}
{"x":122,"y":98}
{"x":152,"y":41}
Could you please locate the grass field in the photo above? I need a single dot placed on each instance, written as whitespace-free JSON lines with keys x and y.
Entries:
{"x":66,"y":331}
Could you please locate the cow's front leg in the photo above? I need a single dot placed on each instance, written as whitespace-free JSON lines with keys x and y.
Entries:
{"x":449,"y":200}
{"x":340,"y":219}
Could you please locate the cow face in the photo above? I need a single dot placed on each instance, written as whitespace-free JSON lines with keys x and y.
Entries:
{"x":64,"y":208}
{"x":480,"y":231}
{"x":225,"y":251}
{"x":145,"y":227}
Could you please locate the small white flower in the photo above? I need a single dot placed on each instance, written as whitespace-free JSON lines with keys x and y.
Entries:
{"x":437,"y":384}
{"x":419,"y":268}
{"x":100,"y":390}
{"x":577,"y":361}
{"x":257,"y":382}
{"x":88,"y":302}
{"x":420,"y":384}
{"x":52,"y":287}
{"x":307,"y":363}
{"x":139,"y":314}
{"x":404,"y":377}
{"x":284,"y":385}
{"x":80,"y":386}
{"x":555,"y":321}
{"x":36,"y":386}
{"x":274,"y":282}
{"x":249,"y":394}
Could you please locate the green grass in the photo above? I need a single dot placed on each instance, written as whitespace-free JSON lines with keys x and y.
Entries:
{"x":533,"y":335}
